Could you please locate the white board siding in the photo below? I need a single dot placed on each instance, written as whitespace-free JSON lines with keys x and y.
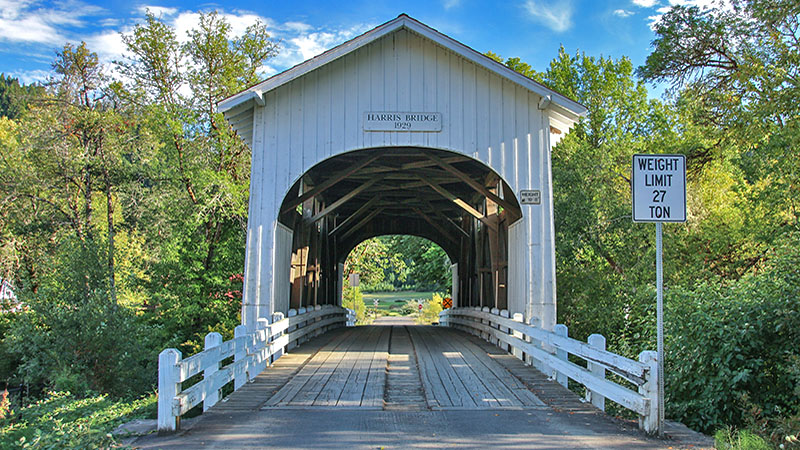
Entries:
{"x":318,"y":115}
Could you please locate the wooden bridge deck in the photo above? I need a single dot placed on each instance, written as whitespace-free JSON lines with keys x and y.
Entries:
{"x":400,"y":367}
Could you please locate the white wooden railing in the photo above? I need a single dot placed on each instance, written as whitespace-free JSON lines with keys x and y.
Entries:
{"x":548,"y":351}
{"x":251,"y":352}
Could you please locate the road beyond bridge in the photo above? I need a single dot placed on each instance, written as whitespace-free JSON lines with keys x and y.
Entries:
{"x":401,"y":386}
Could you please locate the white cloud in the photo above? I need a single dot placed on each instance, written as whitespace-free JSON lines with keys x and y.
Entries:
{"x":22,"y":21}
{"x":702,"y":4}
{"x":32,"y":76}
{"x":33,"y":28}
{"x":645,"y":3}
{"x":450,"y":4}
{"x":556,"y":15}
{"x":158,"y":11}
{"x":622,"y":13}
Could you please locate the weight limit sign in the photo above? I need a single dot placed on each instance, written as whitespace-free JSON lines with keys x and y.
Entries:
{"x":658,"y":188}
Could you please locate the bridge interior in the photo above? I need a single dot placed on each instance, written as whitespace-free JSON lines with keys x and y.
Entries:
{"x":450,"y":199}
{"x":399,"y":367}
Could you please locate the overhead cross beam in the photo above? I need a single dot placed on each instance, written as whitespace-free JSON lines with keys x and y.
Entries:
{"x":362,"y":222}
{"x":322,"y":187}
{"x":358,"y":212}
{"x":447,"y":219}
{"x":441,"y":229}
{"x":472,"y":183}
{"x":464,"y":205}
{"x":333,"y":206}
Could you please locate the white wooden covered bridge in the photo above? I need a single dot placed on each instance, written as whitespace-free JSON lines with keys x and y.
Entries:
{"x":401,"y":130}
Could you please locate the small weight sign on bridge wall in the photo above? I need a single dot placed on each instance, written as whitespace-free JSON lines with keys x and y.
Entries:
{"x":658,"y":186}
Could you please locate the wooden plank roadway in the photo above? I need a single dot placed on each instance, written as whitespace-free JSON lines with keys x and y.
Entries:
{"x":349,"y":371}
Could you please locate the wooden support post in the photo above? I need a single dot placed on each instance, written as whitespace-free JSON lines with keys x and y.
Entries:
{"x":168,"y":387}
{"x":562,"y":379}
{"x":504,"y":346}
{"x":649,"y":422}
{"x":517,"y":317}
{"x":278,"y":352}
{"x":212,"y":340}
{"x":262,"y":339}
{"x":240,"y":353}
{"x":597,"y":341}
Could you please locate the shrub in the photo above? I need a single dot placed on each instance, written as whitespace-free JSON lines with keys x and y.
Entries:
{"x":732,"y":351}
{"x":352,"y":298}
{"x":62,"y":420}
{"x":729,"y":439}
{"x":430,"y":310}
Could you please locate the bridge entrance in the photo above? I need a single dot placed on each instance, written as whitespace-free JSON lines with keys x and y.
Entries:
{"x":401,"y":130}
{"x":450,"y":199}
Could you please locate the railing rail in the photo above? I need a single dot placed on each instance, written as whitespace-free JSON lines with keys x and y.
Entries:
{"x":550,"y":350}
{"x":252,"y":353}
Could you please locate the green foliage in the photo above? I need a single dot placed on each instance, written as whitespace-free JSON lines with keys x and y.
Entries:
{"x":73,"y":337}
{"x":62,"y":420}
{"x":732,"y":350}
{"x":430,"y":310}
{"x":352,"y":298}
{"x":14,"y":97}
{"x":730,"y":439}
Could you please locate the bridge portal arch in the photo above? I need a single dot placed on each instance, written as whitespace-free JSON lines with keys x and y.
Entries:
{"x":401,"y":97}
{"x":449,"y":198}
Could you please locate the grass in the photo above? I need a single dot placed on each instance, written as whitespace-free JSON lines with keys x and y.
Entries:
{"x":730,"y":439}
{"x":391,"y":303}
{"x":62,"y":420}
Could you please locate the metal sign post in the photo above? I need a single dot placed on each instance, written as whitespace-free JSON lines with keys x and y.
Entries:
{"x":658,"y":191}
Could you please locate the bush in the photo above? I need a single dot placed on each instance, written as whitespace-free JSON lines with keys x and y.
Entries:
{"x":74,"y":337}
{"x":62,"y":420}
{"x":732,"y":351}
{"x":430,"y":310}
{"x":729,"y":439}
{"x":352,"y":298}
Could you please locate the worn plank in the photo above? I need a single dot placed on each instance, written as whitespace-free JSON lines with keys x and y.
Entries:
{"x":353,"y":390}
{"x":338,"y":381}
{"x":458,"y":394}
{"x":290,"y":390}
{"x":330,"y":359}
{"x":376,"y":379}
{"x":473,"y":385}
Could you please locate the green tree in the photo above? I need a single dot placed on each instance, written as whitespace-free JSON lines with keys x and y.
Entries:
{"x":14,"y":97}
{"x":193,"y":202}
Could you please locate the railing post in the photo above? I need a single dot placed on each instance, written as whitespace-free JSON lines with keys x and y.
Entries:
{"x":503,"y":345}
{"x":278,"y":352}
{"x":213,"y":339}
{"x":292,"y":313}
{"x":262,"y":338}
{"x":240,"y":353}
{"x":561,"y":330}
{"x":649,"y":422}
{"x":168,"y":386}
{"x":516,"y":351}
{"x":597,"y":341}
{"x":493,"y":339}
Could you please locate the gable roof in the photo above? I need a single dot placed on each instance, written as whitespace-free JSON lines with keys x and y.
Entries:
{"x":567,"y":111}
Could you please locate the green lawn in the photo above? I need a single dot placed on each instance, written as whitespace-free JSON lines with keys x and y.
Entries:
{"x":391,"y":303}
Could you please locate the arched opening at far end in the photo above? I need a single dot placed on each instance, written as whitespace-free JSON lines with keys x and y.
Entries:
{"x":447,"y":198}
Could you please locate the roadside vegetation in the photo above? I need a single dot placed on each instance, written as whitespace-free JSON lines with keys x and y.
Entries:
{"x":124,"y":205}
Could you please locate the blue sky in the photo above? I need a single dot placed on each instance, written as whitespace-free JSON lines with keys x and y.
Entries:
{"x":32,"y":31}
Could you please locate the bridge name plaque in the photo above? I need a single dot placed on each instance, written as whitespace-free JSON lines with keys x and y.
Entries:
{"x":402,"y":121}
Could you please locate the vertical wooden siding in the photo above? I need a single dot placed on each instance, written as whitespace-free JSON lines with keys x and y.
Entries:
{"x":319,"y":116}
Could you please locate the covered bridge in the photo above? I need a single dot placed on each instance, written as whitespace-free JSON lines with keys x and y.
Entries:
{"x":401,"y":130}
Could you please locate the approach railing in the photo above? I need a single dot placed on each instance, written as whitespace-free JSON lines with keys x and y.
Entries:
{"x":251,"y":352}
{"x":548,"y":351}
